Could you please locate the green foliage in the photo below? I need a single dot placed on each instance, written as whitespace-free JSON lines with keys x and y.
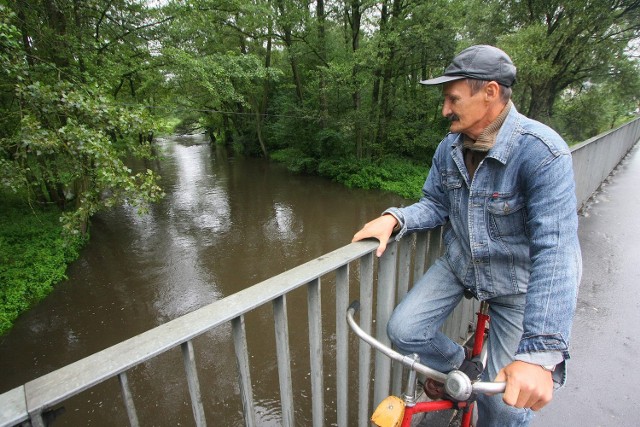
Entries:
{"x":563,"y":46}
{"x":33,"y":255}
{"x":217,"y":79}
{"x":587,"y":111}
{"x":389,"y":174}
{"x":263,"y":75}
{"x":73,"y":143}
{"x":266,"y":76}
{"x":66,"y":140}
{"x":296,"y":161}
{"x":392,"y":174}
{"x":166,"y":125}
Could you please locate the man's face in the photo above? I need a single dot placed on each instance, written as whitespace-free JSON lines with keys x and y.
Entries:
{"x":468,"y":114}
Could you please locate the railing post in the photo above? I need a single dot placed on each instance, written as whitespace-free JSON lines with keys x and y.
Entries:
{"x":244,"y":376}
{"x":405,"y":247}
{"x":386,"y":299}
{"x":128,"y":399}
{"x":342,"y":346}
{"x":422,"y":245}
{"x":189,"y":360}
{"x":37,"y":420}
{"x":315,"y":352}
{"x":364,"y":351}
{"x":284,"y":360}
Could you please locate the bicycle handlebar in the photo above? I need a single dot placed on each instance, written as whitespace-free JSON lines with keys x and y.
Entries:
{"x":457,"y":384}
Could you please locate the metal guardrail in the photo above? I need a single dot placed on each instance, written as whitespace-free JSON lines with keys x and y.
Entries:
{"x":402,"y":261}
{"x":30,"y":401}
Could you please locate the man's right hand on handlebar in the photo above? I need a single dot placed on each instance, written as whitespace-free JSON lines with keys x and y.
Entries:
{"x":528,"y":385}
{"x":380,"y":228}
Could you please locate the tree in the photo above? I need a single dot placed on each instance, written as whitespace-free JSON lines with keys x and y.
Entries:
{"x":559,"y":45}
{"x":315,"y":81}
{"x":217,"y":61}
{"x":65,"y":140}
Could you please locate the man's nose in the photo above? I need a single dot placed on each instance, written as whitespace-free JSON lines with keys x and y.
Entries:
{"x":446,"y":109}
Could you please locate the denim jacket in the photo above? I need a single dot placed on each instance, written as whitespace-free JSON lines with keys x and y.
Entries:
{"x":511,"y":229}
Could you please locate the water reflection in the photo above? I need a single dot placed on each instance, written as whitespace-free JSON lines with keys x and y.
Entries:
{"x":283,"y":225}
{"x":199,"y":193}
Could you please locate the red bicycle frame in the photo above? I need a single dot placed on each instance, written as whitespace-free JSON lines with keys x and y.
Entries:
{"x":478,"y":343}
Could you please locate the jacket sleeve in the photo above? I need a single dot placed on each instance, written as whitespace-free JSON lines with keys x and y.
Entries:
{"x":556,"y":263}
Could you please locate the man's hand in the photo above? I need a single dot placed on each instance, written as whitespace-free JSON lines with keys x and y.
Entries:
{"x":380,"y":228}
{"x":528,"y":385}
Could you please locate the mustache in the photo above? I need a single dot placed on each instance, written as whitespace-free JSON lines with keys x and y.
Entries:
{"x":453,"y":117}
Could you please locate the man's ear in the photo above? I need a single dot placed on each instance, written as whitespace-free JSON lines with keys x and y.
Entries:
{"x":492,"y":91}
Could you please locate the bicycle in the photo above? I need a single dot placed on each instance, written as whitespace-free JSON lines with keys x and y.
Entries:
{"x":460,"y":391}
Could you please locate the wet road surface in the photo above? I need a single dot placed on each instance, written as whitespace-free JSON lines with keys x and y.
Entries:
{"x":602,"y":388}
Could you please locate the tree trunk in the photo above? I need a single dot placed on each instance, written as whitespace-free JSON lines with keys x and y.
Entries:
{"x":288,"y":41}
{"x":387,"y":24}
{"x":22,"y":22}
{"x":541,"y":102}
{"x":322,"y":51}
{"x":377,"y":74}
{"x":294,"y":68}
{"x":354,"y":22}
{"x":261,"y":108}
{"x":57,"y":22}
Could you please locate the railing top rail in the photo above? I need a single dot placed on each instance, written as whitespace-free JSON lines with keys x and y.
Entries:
{"x":52,"y":388}
{"x":13,"y":407}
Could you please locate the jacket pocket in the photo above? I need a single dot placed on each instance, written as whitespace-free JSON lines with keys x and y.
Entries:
{"x":452,"y":183}
{"x":507,"y":215}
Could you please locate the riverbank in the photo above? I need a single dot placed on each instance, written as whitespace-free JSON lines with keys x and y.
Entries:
{"x":34,"y":255}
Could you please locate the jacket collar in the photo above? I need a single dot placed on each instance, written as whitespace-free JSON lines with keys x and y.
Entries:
{"x":505,"y":140}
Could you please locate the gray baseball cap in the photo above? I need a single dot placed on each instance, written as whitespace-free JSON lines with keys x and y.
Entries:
{"x":480,"y":62}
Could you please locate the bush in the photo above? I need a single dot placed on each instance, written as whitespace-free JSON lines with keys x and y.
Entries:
{"x":33,"y":256}
{"x":399,"y":176}
{"x":295,"y":160}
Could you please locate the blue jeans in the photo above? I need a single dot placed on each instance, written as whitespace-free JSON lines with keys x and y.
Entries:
{"x":415,"y":326}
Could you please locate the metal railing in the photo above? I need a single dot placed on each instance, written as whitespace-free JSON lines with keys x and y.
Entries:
{"x":402,"y":262}
{"x":30,"y":401}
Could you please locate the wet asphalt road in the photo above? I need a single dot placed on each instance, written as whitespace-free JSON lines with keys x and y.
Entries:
{"x":604,"y":371}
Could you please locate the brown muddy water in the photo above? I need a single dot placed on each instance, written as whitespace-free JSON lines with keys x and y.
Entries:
{"x":225,"y":224}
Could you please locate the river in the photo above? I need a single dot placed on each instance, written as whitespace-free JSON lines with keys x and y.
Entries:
{"x":226,"y":223}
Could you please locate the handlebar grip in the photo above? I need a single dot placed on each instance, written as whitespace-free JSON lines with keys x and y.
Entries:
{"x":355,"y":305}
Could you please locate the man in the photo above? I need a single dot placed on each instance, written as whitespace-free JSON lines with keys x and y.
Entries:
{"x":502,"y":187}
